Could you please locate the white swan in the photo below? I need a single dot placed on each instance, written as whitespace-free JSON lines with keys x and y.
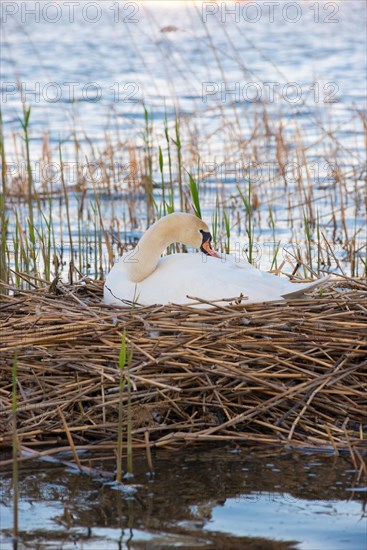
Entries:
{"x":146,"y":278}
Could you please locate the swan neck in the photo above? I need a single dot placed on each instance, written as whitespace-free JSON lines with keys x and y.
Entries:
{"x":148,"y":251}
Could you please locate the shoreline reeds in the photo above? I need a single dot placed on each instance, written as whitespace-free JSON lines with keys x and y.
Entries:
{"x":62,"y":217}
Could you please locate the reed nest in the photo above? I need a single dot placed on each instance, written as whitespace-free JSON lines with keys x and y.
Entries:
{"x":292,"y":373}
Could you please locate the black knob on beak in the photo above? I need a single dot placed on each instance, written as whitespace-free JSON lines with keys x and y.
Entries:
{"x":206,"y":246}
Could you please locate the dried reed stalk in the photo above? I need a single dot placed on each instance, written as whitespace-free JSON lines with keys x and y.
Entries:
{"x":293,"y":373}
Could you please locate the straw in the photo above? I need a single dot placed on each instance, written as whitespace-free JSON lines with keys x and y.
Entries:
{"x":292,"y":373}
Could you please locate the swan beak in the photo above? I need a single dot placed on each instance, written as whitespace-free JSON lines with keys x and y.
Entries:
{"x":206,"y":246}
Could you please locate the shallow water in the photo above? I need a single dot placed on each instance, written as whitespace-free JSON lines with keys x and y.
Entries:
{"x":263,"y":499}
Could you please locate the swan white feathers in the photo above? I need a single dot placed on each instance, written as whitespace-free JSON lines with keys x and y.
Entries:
{"x":146,"y":278}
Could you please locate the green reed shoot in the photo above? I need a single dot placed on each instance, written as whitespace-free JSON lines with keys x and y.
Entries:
{"x":275,"y":256}
{"x":215,"y":222}
{"x":148,"y":162}
{"x":3,"y":247}
{"x":71,"y":269}
{"x":177,"y":142}
{"x":271,"y":218}
{"x":3,"y":216}
{"x":15,"y":452}
{"x":31,"y":245}
{"x":16,"y":252}
{"x":45,"y":243}
{"x":129,"y":418}
{"x":80,"y":247}
{"x":125,"y":358}
{"x":194,"y":190}
{"x":161,"y":164}
{"x":135,"y":299}
{"x":249,"y":228}
{"x":25,"y":124}
{"x":227,"y":227}
{"x":169,"y":158}
{"x":21,"y":244}
{"x":122,"y":363}
{"x":95,"y":232}
{"x":318,"y":235}
{"x":309,"y":240}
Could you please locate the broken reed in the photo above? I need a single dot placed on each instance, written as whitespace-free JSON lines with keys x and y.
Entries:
{"x":294,"y":373}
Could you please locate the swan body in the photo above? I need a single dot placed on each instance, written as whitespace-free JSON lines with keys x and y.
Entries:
{"x":146,"y":278}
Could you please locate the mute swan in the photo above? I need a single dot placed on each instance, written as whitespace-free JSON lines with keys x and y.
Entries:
{"x":143,"y":277}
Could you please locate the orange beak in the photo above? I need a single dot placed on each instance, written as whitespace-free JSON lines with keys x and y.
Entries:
{"x":207,"y":249}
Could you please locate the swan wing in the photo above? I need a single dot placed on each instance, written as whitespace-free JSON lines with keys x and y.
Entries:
{"x":182,"y":278}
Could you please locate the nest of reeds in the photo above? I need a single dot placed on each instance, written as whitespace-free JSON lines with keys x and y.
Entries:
{"x":293,"y":373}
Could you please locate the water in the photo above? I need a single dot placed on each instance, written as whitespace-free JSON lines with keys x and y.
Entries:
{"x":184,"y":68}
{"x":202,"y":498}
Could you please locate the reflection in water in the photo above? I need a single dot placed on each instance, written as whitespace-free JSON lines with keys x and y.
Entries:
{"x":216,"y":498}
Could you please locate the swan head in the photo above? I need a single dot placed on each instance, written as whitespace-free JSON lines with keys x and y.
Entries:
{"x":196,"y":233}
{"x":178,"y":227}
